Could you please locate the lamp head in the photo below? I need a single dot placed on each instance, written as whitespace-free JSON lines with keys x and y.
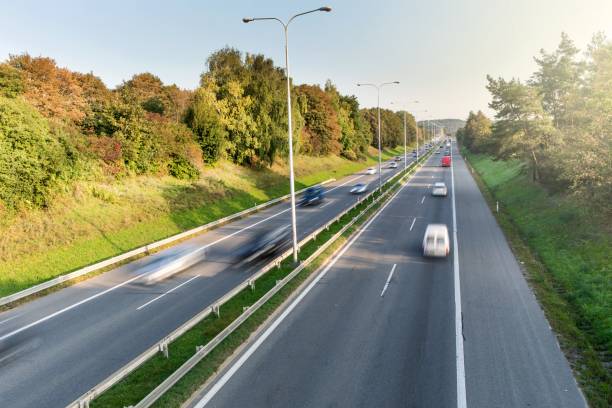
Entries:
{"x":325,"y":8}
{"x":247,"y":20}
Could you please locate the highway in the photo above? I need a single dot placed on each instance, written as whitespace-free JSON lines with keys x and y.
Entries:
{"x":74,"y":338}
{"x":378,"y":326}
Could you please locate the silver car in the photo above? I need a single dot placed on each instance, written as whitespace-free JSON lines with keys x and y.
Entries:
{"x":439,"y":190}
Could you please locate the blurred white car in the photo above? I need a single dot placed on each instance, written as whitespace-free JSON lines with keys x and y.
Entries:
{"x":371,"y":170}
{"x":393,"y":165}
{"x":436,"y":242}
{"x":439,"y":190}
{"x":359,"y":188}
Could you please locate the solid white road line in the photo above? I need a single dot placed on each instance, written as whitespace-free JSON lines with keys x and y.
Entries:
{"x":460,"y":359}
{"x":412,"y":225}
{"x":243,"y":358}
{"x":423,"y":200}
{"x":170,"y":291}
{"x":388,"y":280}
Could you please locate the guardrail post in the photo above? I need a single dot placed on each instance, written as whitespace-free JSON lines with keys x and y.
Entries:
{"x":245,"y":308}
{"x":215,"y":310}
{"x":278,"y":281}
{"x":198,"y":348}
{"x":163,"y":347}
{"x":497,"y":206}
{"x":252,"y":284}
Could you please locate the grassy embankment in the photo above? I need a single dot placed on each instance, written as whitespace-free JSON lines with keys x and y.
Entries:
{"x":98,"y":220}
{"x":566,"y":251}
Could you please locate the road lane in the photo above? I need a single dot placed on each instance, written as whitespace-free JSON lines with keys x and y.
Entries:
{"x":345,"y":345}
{"x":512,"y":358}
{"x":79,"y":346}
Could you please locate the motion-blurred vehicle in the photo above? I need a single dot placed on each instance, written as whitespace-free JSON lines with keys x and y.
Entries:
{"x":170,"y":262}
{"x":436,"y":242}
{"x":371,"y":170}
{"x":359,"y":188}
{"x":439,"y":190}
{"x":312,"y":195}
{"x":267,"y":244}
{"x":446,"y":161}
{"x":393,"y":165}
{"x":398,"y":158}
{"x":437,"y":152}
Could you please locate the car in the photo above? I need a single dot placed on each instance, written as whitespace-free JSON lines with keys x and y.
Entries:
{"x":435,"y":241}
{"x":437,"y":152}
{"x":267,"y":244}
{"x":371,"y":170}
{"x":446,"y":161}
{"x":393,"y":165}
{"x":398,"y":158}
{"x":441,"y":146}
{"x":439,"y":190}
{"x":312,"y":195}
{"x":359,"y":188}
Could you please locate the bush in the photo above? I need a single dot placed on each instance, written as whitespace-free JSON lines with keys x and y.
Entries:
{"x":32,"y":159}
{"x":181,"y":168}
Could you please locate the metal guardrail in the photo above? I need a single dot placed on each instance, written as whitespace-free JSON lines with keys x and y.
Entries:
{"x":143,"y":249}
{"x":162,"y":346}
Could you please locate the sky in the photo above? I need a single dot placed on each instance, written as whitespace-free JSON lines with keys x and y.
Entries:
{"x":439,"y":50}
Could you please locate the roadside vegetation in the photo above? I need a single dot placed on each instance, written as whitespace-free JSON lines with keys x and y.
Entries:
{"x":88,"y":172}
{"x":547,"y":159}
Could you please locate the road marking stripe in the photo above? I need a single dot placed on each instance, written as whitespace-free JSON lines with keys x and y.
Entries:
{"x":9,"y":319}
{"x":326,"y":204}
{"x":412,"y":225}
{"x":243,"y":358}
{"x":164,"y":294}
{"x":388,"y":280}
{"x":460,"y":358}
{"x":423,"y":200}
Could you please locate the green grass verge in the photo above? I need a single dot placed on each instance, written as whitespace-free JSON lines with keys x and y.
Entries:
{"x":144,"y":379}
{"x":566,"y":256}
{"x":97,"y":221}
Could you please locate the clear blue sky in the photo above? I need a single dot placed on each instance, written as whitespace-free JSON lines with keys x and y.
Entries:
{"x":440,"y":50}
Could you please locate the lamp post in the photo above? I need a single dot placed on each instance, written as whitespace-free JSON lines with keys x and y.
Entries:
{"x":378,"y":87}
{"x":405,"y":132}
{"x":417,"y":132}
{"x":289,"y":125}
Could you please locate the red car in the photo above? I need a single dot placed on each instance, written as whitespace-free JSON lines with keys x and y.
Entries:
{"x":446,"y":161}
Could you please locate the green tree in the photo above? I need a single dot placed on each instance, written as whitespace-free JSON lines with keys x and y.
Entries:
{"x":321,"y":133}
{"x":522,"y":127}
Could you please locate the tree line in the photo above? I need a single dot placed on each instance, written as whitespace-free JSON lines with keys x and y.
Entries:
{"x":559,"y":122}
{"x":57,"y":125}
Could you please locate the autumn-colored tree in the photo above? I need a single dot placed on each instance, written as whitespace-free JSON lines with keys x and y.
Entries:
{"x":321,"y":133}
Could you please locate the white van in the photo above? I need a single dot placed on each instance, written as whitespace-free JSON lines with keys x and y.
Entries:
{"x":435,"y":241}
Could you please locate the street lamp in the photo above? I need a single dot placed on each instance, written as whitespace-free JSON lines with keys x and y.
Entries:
{"x":378,"y":87}
{"x":405,"y":148}
{"x":289,"y":125}
{"x":417,"y":132}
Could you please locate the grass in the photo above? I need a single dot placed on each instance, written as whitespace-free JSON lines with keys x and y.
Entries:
{"x":143,"y":380}
{"x":565,"y":249}
{"x":99,"y":220}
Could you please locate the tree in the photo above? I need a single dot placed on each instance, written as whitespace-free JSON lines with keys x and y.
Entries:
{"x":11,"y":81}
{"x":522,"y":127}
{"x":557,"y":79}
{"x":203,"y":117}
{"x":476,"y":134}
{"x":321,"y":133}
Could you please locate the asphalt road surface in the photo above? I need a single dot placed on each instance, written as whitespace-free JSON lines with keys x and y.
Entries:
{"x":63,"y":344}
{"x":378,"y":327}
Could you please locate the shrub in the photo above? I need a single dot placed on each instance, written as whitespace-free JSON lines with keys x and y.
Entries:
{"x":181,"y":168}
{"x":32,"y":159}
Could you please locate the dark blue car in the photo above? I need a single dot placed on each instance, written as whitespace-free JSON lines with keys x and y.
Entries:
{"x":312,"y":195}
